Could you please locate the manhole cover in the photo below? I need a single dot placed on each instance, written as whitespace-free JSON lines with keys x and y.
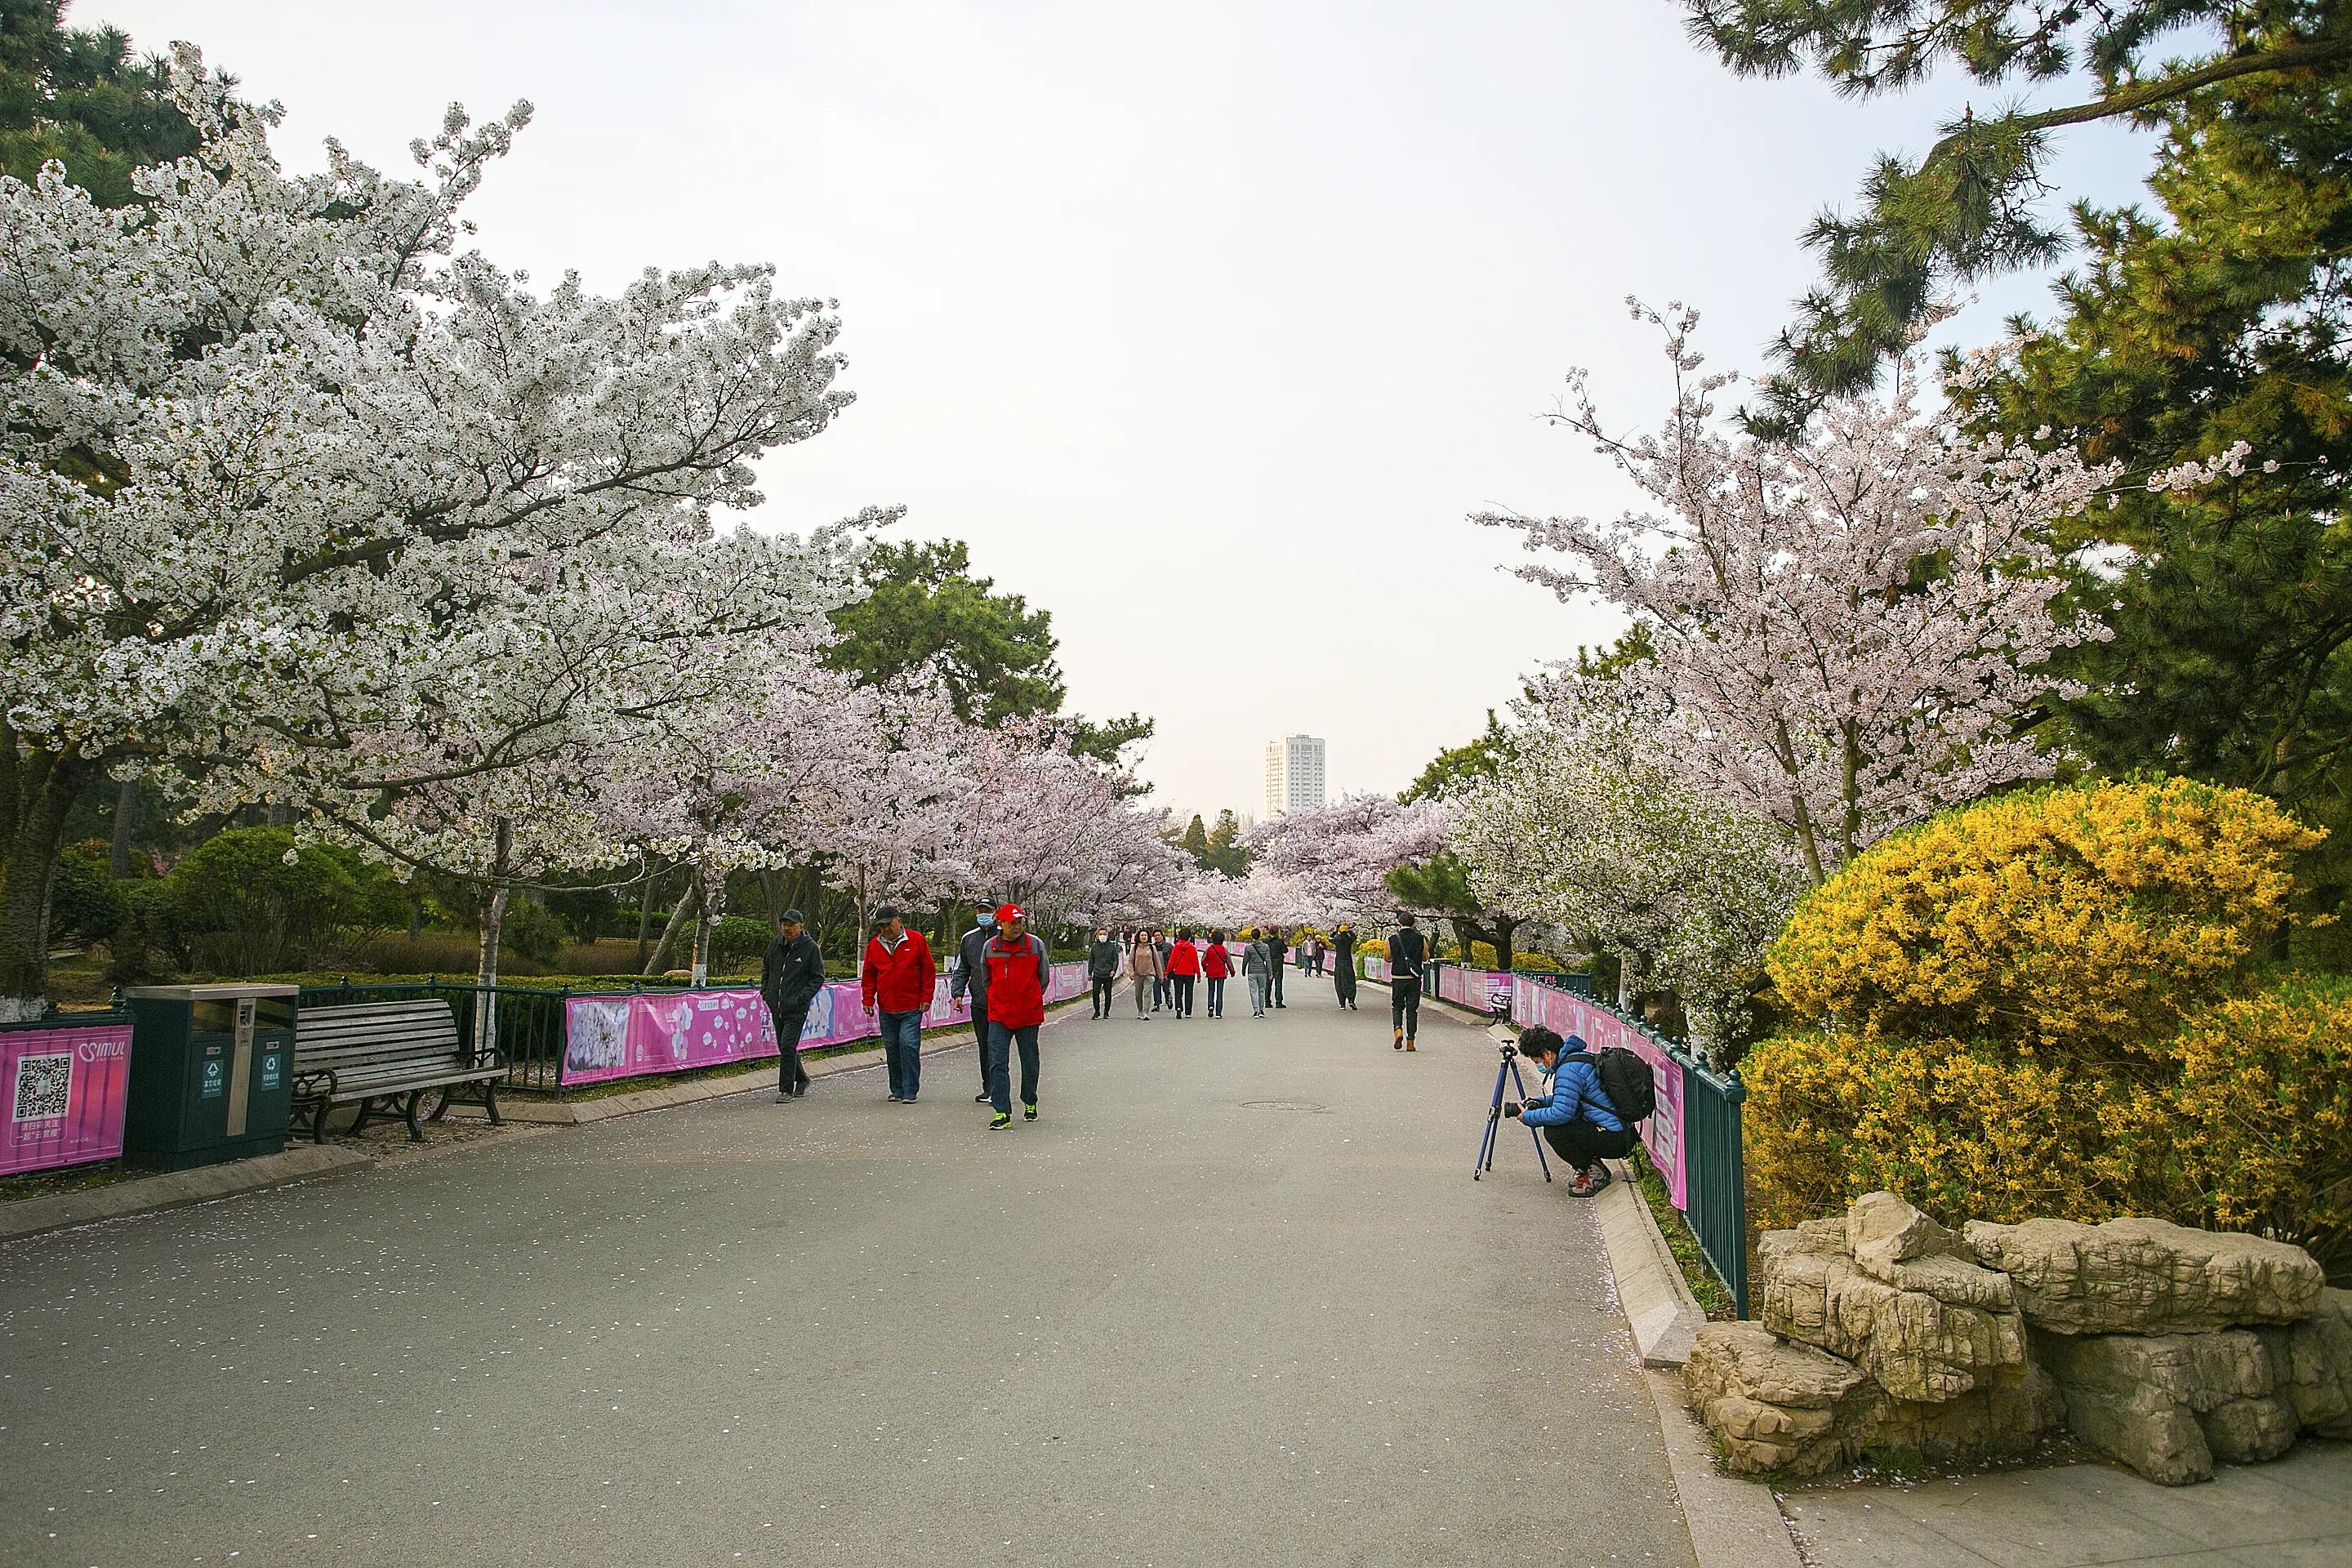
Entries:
{"x":1282,"y":1105}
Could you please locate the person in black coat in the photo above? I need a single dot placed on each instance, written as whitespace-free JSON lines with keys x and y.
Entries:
{"x":970,"y":972}
{"x":791,"y":975}
{"x":1343,"y":963}
{"x":1277,"y":949}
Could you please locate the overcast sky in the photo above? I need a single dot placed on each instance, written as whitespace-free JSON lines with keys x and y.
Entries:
{"x":1206,"y":326}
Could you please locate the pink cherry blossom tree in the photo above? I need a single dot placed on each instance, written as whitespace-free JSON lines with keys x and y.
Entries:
{"x":1847,"y":633}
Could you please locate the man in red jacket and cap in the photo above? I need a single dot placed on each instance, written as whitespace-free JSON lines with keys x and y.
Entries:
{"x":899,"y":976}
{"x":1018,"y":971}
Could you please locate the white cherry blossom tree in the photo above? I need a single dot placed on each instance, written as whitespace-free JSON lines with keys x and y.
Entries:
{"x":1847,"y":633}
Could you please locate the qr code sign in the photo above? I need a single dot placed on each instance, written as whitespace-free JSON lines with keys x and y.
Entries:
{"x":41,"y":1084}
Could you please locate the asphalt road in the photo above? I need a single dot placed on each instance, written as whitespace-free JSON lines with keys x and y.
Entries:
{"x":1234,"y":1299}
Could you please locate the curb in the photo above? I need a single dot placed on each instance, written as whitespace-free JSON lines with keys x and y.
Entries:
{"x":177,"y":1189}
{"x":1657,"y":1301}
{"x":1733,"y":1523}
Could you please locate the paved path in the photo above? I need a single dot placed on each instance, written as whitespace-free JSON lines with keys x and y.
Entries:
{"x":2295,"y":1513}
{"x":1183,"y":1318}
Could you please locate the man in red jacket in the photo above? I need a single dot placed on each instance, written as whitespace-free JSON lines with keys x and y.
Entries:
{"x":900,"y":976}
{"x":1018,"y":973}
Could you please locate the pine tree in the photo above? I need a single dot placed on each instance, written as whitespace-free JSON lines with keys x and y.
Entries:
{"x":78,"y":95}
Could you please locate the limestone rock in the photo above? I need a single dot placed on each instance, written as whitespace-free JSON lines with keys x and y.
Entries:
{"x":1896,"y":1245}
{"x":2311,"y":1363}
{"x":2146,"y":1275}
{"x":2002,"y":1417}
{"x":2142,"y":1399}
{"x":1918,"y":1346}
{"x":1774,"y":1405}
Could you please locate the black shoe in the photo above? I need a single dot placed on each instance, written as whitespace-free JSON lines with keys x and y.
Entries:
{"x":981,"y":1099}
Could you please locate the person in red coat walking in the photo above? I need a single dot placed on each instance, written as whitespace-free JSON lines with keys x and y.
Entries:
{"x":899,"y":977}
{"x":1018,"y":973}
{"x":1183,"y":972}
{"x":1217,"y":964}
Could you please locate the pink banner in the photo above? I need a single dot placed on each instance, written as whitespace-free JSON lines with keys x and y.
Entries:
{"x":1569,"y":1014}
{"x":628,"y":1035}
{"x":65,"y":1092}
{"x":1487,"y":989}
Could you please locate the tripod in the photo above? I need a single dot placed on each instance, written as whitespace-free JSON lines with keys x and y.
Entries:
{"x":1508,"y":1065}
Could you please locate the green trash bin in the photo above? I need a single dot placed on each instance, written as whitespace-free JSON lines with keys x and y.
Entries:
{"x":212,"y":1073}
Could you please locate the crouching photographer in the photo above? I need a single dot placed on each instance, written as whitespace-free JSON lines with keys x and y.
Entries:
{"x":1577,"y":1116}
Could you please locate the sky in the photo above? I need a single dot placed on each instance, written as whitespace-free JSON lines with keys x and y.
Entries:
{"x":1207,"y":326}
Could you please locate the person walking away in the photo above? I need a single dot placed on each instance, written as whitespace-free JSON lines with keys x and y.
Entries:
{"x":1102,"y":969}
{"x":1276,"y":951}
{"x":968,"y":973}
{"x":791,"y":974}
{"x":1408,"y":960}
{"x":1143,"y":969}
{"x":1255,"y":968}
{"x":1578,"y":1118}
{"x":1018,"y":973}
{"x":1215,"y":965}
{"x":1343,"y":964}
{"x":899,"y":977}
{"x":1183,"y":972}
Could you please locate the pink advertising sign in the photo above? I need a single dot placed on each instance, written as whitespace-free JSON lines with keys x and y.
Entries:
{"x":1569,"y":1014}
{"x":629,"y":1036}
{"x":65,"y":1090}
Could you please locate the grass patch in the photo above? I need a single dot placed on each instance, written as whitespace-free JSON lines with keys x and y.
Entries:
{"x":68,"y":1179}
{"x":1714,"y":1300}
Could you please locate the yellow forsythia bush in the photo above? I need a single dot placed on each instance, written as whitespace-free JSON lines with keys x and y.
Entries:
{"x":2262,"y":1109}
{"x":2085,"y":919}
{"x":1966,"y":1132}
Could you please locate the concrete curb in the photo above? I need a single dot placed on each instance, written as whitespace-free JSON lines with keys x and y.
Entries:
{"x":1656,"y":1298}
{"x":177,"y":1189}
{"x":1732,"y":1523}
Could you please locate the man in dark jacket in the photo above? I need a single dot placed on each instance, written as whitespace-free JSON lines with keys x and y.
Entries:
{"x":1408,"y":962}
{"x":1276,"y":948}
{"x":1343,"y":963}
{"x":1102,"y":968}
{"x":970,"y":972}
{"x":791,"y":975}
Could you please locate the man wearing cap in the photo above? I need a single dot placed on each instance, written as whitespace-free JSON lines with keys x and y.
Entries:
{"x":899,"y":976}
{"x":791,"y":975}
{"x":1018,"y":971}
{"x":970,"y":972}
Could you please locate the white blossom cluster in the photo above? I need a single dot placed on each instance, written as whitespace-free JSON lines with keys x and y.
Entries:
{"x":1845,"y":631}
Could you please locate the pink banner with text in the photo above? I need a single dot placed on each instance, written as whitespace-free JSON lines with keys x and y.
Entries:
{"x":1565,"y":1013}
{"x":65,"y":1095}
{"x":628,"y":1035}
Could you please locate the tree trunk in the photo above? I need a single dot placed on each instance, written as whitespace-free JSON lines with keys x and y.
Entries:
{"x":669,"y":932}
{"x":415,"y":914}
{"x":126,"y":817}
{"x":1504,"y":927}
{"x":47,"y":784}
{"x":644,"y":916}
{"x":709,"y":908}
{"x":494,"y":918}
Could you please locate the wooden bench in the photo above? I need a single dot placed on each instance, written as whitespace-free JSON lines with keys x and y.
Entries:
{"x":385,"y":1057}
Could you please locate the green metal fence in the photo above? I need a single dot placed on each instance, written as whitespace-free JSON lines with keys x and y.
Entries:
{"x":1715,"y":1178}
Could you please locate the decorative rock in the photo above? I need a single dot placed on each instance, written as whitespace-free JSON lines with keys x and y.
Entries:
{"x":2146,"y":1275}
{"x":1918,"y":1346}
{"x":1774,"y":1405}
{"x":1896,"y":1245}
{"x":2311,"y":1363}
{"x":2139,"y":1398}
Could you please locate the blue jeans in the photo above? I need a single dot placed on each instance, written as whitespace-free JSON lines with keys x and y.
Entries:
{"x":1002,"y":1039}
{"x":902,"y":1051}
{"x":1216,"y":995}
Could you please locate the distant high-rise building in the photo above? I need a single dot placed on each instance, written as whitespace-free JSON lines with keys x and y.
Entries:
{"x":1294,"y":773}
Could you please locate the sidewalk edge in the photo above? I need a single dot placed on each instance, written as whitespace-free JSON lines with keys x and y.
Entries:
{"x":1657,"y":1301}
{"x":24,"y":1218}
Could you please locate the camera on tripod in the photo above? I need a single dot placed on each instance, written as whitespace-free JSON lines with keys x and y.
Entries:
{"x":1506,"y":1069}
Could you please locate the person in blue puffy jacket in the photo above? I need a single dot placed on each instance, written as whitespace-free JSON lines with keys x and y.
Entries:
{"x":1576,"y":1117}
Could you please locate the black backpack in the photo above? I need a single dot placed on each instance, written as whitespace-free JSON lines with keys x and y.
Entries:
{"x":1625,"y":1079}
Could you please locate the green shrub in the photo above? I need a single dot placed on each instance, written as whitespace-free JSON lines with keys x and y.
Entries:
{"x":84,"y":901}
{"x":249,"y":901}
{"x":146,"y":945}
{"x":532,"y":930}
{"x":737,"y":942}
{"x":1537,"y":964}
